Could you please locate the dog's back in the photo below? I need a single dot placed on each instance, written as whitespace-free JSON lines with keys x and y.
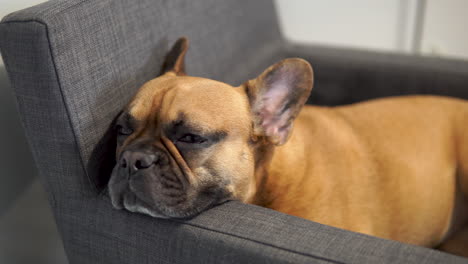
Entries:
{"x":384,"y":167}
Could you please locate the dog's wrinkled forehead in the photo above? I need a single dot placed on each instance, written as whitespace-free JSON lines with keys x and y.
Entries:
{"x":208,"y":102}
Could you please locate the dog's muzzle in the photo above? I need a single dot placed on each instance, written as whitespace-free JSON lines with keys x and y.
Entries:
{"x":145,"y":180}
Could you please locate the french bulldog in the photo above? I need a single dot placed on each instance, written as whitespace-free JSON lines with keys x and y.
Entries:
{"x":395,"y":168}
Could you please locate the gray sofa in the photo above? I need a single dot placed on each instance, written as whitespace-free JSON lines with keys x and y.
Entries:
{"x":74,"y":64}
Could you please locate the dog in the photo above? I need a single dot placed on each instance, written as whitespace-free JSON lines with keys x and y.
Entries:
{"x":395,"y":168}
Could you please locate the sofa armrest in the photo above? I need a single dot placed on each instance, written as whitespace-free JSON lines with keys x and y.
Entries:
{"x":229,"y":233}
{"x":345,"y":76}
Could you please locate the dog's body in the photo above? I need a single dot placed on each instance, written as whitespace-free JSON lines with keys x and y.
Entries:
{"x":395,"y":168}
{"x":386,"y":167}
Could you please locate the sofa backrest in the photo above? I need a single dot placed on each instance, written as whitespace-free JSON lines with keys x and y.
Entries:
{"x":75,"y":64}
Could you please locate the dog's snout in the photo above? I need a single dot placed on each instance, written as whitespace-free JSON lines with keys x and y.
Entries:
{"x":135,"y":160}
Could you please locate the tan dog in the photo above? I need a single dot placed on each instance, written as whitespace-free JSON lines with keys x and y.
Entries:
{"x":395,"y":168}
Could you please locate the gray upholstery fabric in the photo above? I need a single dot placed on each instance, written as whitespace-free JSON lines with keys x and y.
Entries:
{"x":113,"y":47}
{"x":344,"y":76}
{"x":75,"y":64}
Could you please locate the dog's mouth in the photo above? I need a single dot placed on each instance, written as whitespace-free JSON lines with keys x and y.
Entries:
{"x":161,"y":194}
{"x":157,"y":192}
{"x":132,"y":203}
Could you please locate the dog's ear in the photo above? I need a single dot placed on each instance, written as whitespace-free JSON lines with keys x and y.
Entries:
{"x":277,"y":96}
{"x":175,"y":58}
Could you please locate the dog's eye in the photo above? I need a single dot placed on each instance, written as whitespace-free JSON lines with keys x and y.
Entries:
{"x":191,"y":138}
{"x":124,"y":131}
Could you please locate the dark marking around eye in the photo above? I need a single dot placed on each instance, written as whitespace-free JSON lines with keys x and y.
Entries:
{"x":181,"y":127}
{"x":126,"y":120}
{"x":217,"y":136}
{"x":124,"y":130}
{"x":125,"y":124}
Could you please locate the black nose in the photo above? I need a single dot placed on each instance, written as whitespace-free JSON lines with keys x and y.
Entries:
{"x":136,"y":160}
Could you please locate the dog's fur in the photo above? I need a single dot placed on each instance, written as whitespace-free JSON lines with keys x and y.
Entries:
{"x":396,"y":168}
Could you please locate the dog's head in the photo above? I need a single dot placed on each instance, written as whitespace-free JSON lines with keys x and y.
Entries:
{"x":186,"y":143}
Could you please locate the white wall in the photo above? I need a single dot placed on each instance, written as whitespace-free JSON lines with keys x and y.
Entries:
{"x":445,"y":28}
{"x":379,"y":24}
{"x":373,"y":24}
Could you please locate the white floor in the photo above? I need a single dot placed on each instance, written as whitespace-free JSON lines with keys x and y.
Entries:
{"x":28,"y":233}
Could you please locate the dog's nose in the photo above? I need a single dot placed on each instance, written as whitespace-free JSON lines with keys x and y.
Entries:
{"x":135,"y":160}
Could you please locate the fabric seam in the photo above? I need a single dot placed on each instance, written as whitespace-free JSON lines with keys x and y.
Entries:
{"x":263,"y":243}
{"x":242,"y":238}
